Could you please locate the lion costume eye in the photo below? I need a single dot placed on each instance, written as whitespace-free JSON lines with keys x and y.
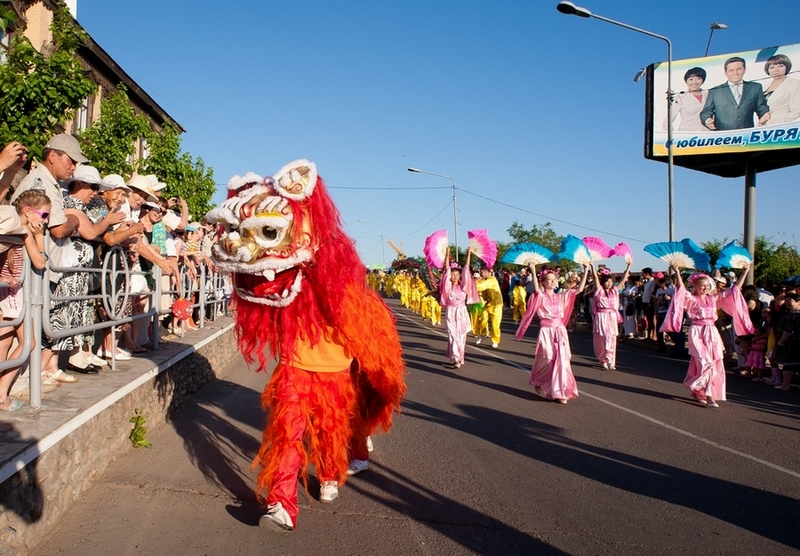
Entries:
{"x":269,"y":233}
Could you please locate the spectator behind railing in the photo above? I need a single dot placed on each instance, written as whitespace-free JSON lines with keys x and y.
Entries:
{"x":69,"y":312}
{"x":111,"y":201}
{"x":150,"y":215}
{"x":32,"y":209}
{"x":12,"y":159}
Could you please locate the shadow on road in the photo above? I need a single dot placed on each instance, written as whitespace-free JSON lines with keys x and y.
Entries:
{"x":764,"y":513}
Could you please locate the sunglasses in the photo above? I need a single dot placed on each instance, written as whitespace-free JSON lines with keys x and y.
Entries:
{"x":44,"y":214}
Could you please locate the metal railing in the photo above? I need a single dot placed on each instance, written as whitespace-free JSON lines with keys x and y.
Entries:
{"x":114,"y":294}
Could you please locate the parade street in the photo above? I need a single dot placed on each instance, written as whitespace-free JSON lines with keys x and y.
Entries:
{"x":475,"y":464}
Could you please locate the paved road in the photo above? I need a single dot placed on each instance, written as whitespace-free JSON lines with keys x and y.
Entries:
{"x":476,"y":464}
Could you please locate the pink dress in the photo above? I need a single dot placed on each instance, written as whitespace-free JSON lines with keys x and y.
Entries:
{"x":756,"y":359}
{"x":706,"y":374}
{"x":605,"y":325}
{"x":454,"y":299}
{"x":551,"y":371}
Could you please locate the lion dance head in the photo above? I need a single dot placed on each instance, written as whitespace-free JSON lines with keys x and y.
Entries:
{"x":281,"y":240}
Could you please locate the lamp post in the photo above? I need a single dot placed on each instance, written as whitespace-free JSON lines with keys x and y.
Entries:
{"x":569,"y":8}
{"x":455,"y":217}
{"x":714,"y":27}
{"x":383,"y":256}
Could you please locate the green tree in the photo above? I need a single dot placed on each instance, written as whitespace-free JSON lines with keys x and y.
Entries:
{"x":110,"y":142}
{"x":773,"y":262}
{"x":40,"y":91}
{"x":544,"y":235}
{"x":185,"y":177}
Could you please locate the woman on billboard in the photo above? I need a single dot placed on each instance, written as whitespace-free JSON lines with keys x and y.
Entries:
{"x":688,"y":104}
{"x":782,"y":94}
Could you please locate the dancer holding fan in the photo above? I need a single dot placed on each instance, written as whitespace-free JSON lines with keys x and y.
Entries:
{"x":606,"y":321}
{"x":457,"y":289}
{"x":706,"y":375}
{"x":551,"y":375}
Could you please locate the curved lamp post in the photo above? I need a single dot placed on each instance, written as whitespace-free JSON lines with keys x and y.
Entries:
{"x":714,"y":27}
{"x":569,"y":8}
{"x":455,"y":217}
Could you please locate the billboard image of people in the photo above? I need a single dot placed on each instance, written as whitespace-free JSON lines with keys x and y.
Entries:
{"x":732,"y":103}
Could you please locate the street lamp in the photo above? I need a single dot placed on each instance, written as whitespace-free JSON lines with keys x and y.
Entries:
{"x":383,"y":256}
{"x":569,"y":8}
{"x":455,"y":217}
{"x":714,"y":27}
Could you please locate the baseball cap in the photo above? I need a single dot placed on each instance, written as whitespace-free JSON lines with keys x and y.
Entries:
{"x":193,"y":226}
{"x":69,"y":144}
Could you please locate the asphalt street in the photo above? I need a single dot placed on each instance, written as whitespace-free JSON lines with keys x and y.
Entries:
{"x":476,"y":464}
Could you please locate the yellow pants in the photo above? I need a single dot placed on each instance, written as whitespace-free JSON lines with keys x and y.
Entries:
{"x":490,"y":320}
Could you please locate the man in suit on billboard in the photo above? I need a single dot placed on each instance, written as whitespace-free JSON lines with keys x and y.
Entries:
{"x":732,"y":104}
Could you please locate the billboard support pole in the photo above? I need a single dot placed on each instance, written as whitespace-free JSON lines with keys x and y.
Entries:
{"x":749,"y":235}
{"x":570,"y":8}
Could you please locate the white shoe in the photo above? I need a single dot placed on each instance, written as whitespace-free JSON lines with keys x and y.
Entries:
{"x":357,"y":466}
{"x":122,"y":355}
{"x":370,"y":446}
{"x":94,"y":360}
{"x":328,"y":491}
{"x":605,"y":366}
{"x":478,"y":341}
{"x":277,"y":518}
{"x":495,"y":344}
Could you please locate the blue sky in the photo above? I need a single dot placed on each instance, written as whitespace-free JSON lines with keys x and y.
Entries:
{"x":535,"y":114}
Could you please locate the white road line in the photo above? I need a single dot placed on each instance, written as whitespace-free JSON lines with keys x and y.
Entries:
{"x":633,"y":412}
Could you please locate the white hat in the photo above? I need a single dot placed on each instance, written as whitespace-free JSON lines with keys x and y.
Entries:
{"x":171,"y":220}
{"x":155,"y":185}
{"x":115,"y":181}
{"x":142,"y":186}
{"x":88,"y":174}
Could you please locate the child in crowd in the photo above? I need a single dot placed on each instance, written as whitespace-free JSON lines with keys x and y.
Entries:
{"x":33,"y":209}
{"x":755,"y":364}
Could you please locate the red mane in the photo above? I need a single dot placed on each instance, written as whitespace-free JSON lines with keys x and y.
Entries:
{"x":265,"y":332}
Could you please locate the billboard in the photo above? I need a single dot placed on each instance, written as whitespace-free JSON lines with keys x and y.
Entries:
{"x":725,"y":109}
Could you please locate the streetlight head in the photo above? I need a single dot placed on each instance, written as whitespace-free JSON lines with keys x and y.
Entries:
{"x":416,"y":171}
{"x":639,"y":74}
{"x":569,"y":8}
{"x":718,"y":26}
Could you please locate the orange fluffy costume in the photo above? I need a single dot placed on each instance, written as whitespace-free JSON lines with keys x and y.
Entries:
{"x":301,"y":297}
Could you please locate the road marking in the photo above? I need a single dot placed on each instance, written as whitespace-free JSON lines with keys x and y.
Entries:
{"x":630,"y":411}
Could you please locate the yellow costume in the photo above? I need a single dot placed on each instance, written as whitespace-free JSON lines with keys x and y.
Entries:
{"x":492,"y":315}
{"x":518,"y":297}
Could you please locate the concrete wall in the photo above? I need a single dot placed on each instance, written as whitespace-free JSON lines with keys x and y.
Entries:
{"x":36,"y":496}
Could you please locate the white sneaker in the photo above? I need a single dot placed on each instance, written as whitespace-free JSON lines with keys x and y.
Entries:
{"x":277,"y":519}
{"x":370,"y":446}
{"x":495,"y":344}
{"x":605,"y":366}
{"x":328,"y":491}
{"x":478,"y":341}
{"x":357,"y":466}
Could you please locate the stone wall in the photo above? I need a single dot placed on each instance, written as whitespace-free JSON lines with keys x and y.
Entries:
{"x":37,"y":496}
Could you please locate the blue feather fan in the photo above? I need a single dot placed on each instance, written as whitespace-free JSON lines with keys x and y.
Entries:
{"x":683,"y":254}
{"x":527,"y":253}
{"x":734,"y":256}
{"x":573,"y":249}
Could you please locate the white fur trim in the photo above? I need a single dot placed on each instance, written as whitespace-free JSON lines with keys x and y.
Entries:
{"x":288,"y":175}
{"x":238,"y":181}
{"x":222,"y":214}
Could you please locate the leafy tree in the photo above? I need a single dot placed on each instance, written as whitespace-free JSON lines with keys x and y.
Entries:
{"x":773,"y":262}
{"x":543,"y":235}
{"x":40,"y":91}
{"x":185,"y":177}
{"x":110,"y":142}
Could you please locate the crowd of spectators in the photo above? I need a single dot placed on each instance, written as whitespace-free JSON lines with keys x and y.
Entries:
{"x":89,"y":218}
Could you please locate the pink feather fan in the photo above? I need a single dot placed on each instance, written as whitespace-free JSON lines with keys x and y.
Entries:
{"x":435,"y":249}
{"x":624,"y":250}
{"x":483,"y":247}
{"x":598,"y":248}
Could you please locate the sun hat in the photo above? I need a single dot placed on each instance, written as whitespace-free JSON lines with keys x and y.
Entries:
{"x":193,"y":226}
{"x":155,"y":185}
{"x":68,"y":144}
{"x":142,"y":186}
{"x":116,"y":182}
{"x":88,"y":174}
